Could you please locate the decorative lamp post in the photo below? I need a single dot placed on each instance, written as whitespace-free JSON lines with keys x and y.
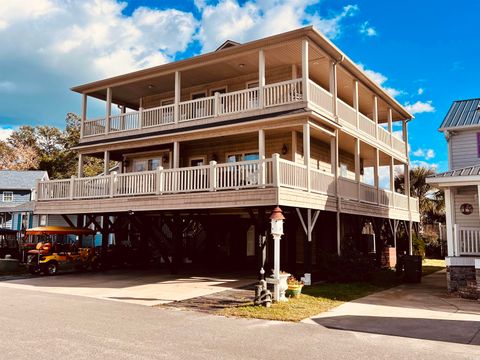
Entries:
{"x":280,"y":282}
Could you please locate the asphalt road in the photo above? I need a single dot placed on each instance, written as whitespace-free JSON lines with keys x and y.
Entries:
{"x":38,"y":325}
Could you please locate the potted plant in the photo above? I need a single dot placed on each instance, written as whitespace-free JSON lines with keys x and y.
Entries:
{"x":294,"y":287}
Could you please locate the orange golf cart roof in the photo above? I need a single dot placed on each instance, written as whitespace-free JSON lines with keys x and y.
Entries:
{"x":58,"y":230}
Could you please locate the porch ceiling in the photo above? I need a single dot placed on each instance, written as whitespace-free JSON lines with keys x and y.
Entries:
{"x":229,"y":67}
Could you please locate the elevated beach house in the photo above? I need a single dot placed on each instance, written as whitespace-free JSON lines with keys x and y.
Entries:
{"x":209,"y":145}
{"x":461,"y":183}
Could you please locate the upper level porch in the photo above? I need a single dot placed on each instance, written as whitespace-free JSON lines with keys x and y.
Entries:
{"x":244,"y":82}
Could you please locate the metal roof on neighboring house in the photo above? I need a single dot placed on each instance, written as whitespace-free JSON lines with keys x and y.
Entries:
{"x":20,"y":180}
{"x":466,"y":171}
{"x":462,"y":113}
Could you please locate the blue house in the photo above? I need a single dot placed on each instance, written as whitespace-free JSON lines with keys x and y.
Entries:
{"x":17,"y":196}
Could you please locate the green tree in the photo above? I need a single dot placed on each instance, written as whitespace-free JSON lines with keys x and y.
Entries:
{"x":47,"y":148}
{"x":431,"y":200}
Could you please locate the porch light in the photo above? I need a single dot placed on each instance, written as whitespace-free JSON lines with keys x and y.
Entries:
{"x":276,"y":220}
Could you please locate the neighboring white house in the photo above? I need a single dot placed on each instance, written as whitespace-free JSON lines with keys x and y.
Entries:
{"x":461,"y":183}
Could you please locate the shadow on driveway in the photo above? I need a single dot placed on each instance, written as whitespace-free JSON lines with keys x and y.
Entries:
{"x":455,"y":331}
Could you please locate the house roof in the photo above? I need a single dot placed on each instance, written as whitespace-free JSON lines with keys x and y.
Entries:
{"x":462,"y":113}
{"x":466,"y":171}
{"x":468,"y":174}
{"x":28,"y":206}
{"x":20,"y":180}
{"x":227,"y":44}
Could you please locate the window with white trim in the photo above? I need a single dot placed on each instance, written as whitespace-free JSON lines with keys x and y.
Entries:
{"x":7,"y":196}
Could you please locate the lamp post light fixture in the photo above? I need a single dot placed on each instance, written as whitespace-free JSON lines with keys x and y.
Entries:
{"x":276,"y":221}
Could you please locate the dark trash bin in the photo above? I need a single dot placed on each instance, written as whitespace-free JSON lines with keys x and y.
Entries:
{"x":412,"y":265}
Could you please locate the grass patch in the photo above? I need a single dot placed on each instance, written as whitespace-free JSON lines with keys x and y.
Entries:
{"x":430,"y":266}
{"x":323,"y":297}
{"x":315,"y":299}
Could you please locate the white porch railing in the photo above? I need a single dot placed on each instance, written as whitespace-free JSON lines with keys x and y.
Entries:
{"x":467,"y":240}
{"x":292,"y":175}
{"x":347,"y":114}
{"x":284,"y":92}
{"x":348,"y":188}
{"x":274,"y":172}
{"x":275,"y":94}
{"x":197,"y":109}
{"x":368,"y":193}
{"x":348,"y":117}
{"x":320,"y":97}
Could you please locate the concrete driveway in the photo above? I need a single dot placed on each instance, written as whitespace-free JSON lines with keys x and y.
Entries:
{"x":421,"y":311}
{"x":148,"y":288}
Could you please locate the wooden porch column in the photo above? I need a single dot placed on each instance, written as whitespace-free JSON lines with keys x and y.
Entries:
{"x":261,"y":154}
{"x":390,"y":125}
{"x":108,"y":110}
{"x":355,"y":101}
{"x":357,"y":166}
{"x":375,"y":114}
{"x":333,"y":86}
{"x":376,"y":174}
{"x":261,"y":78}
{"x":305,"y":69}
{"x":294,"y":146}
{"x":261,"y":143}
{"x":106,"y":162}
{"x":84,"y":114}
{"x":407,"y":182}
{"x":80,"y":224}
{"x":80,"y":165}
{"x":176,"y":108}
{"x":294,"y":72}
{"x":392,"y":179}
{"x":306,"y":151}
{"x":176,"y":154}
{"x":449,"y":222}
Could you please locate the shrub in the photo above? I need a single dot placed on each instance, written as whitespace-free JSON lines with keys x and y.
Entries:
{"x":418,"y":246}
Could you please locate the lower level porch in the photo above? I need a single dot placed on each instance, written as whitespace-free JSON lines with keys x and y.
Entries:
{"x":265,"y":182}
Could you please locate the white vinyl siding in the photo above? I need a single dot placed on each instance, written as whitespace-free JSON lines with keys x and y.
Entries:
{"x":462,"y":196}
{"x":463,"y":145}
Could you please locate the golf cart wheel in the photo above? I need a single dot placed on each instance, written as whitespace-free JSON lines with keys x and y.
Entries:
{"x":51,"y":268}
{"x":34,"y":270}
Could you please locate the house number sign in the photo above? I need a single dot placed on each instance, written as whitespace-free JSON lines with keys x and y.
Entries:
{"x":466,"y":209}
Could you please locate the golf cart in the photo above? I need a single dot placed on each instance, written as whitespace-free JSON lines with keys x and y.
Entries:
{"x":53,"y":248}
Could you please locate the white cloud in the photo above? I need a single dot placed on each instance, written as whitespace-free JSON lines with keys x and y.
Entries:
{"x":5,"y":133}
{"x":368,"y":30}
{"x":380,"y":79}
{"x":15,"y":11}
{"x":421,"y":163}
{"x":51,"y":45}
{"x":7,"y":86}
{"x":93,"y":37}
{"x":420,"y":107}
{"x":229,"y":19}
{"x":420,"y":91}
{"x":425,"y":153}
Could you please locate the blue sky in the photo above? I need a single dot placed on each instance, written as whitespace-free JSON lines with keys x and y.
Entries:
{"x":424,"y":52}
